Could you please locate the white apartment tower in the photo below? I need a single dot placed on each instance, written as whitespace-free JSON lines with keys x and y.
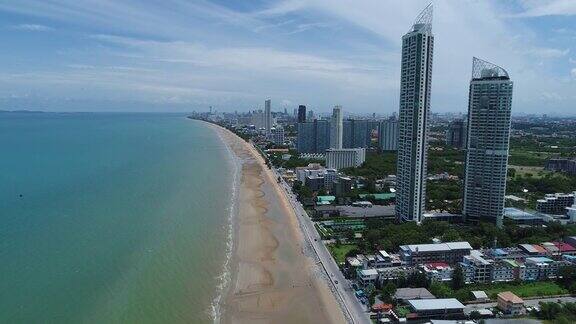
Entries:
{"x":489,"y":115}
{"x":336,"y":128}
{"x":415,"y":86}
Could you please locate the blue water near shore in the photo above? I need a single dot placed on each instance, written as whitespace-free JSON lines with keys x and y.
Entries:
{"x":108,"y":218}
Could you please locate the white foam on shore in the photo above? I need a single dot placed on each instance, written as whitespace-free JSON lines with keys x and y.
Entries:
{"x":224,"y":277}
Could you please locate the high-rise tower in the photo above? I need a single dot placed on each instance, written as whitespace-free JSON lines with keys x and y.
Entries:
{"x":301,"y":113}
{"x":415,"y":86}
{"x":267,"y":115}
{"x":336,"y":128}
{"x":489,"y":114}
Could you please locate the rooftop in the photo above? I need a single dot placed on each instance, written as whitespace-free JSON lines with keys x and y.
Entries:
{"x":508,"y":296}
{"x":437,"y":247}
{"x":413,"y":293}
{"x":433,"y":304}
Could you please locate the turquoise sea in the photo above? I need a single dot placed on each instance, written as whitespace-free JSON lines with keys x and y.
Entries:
{"x":108,"y":218}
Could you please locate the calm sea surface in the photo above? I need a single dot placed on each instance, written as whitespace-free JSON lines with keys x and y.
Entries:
{"x":109,"y":218}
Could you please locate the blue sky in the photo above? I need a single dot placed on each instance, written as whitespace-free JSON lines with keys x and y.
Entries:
{"x":180,"y":55}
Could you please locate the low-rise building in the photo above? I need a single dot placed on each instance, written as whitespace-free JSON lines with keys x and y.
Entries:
{"x":367,"y":276}
{"x":555,"y":204}
{"x":438,"y":271}
{"x":510,"y":304}
{"x":405,"y":294}
{"x":450,"y":252}
{"x":345,"y":158}
{"x":476,"y":268}
{"x":480,"y":296}
{"x":446,"y":308}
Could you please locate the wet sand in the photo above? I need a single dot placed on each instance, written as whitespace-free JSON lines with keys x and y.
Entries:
{"x":272,"y":280}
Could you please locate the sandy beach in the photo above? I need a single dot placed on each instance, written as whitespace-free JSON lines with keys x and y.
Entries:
{"x":273,"y":280}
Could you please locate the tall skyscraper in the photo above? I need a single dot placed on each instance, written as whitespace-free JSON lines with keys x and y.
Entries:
{"x":489,"y":114}
{"x":415,"y":86}
{"x":267,"y":115}
{"x":388,"y":135}
{"x":356,"y":133}
{"x":313,"y":137}
{"x":336,"y":128}
{"x":301,"y":113}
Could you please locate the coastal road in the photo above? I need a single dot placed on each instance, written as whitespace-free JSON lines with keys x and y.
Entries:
{"x":356,"y":312}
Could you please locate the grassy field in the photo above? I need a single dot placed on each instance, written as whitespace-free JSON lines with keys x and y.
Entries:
{"x":532,"y":289}
{"x":537,"y":172}
{"x":339,"y":252}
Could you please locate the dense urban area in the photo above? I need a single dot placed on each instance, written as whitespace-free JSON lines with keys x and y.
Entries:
{"x":432,"y":216}
{"x":388,"y":262}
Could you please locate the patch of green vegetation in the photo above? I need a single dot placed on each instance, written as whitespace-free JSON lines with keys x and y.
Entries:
{"x":521,"y":289}
{"x":376,"y":166}
{"x":386,"y":235}
{"x":339,"y":251}
{"x":402,"y":311}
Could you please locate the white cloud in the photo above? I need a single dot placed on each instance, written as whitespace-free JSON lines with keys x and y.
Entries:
{"x":547,"y":53}
{"x":31,"y":27}
{"x":538,"y":8}
{"x":573,"y":72}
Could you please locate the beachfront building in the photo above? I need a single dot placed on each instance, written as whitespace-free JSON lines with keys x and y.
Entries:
{"x":415,"y":88}
{"x":441,"y":308}
{"x":388,"y":135}
{"x":489,"y":113}
{"x":345,"y":158}
{"x":450,"y":252}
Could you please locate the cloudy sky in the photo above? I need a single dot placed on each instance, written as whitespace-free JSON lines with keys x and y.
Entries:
{"x":184,"y":55}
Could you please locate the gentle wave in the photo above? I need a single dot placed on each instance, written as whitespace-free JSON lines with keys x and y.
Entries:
{"x":224,"y":277}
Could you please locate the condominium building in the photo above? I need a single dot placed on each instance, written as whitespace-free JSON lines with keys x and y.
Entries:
{"x":489,"y":112}
{"x":336,"y":128}
{"x":313,"y":137}
{"x":555,"y":204}
{"x":415,"y":88}
{"x":388,"y":135}
{"x":345,"y":158}
{"x":356,"y":133}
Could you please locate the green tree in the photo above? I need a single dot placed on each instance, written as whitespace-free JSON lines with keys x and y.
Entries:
{"x":458,"y":278}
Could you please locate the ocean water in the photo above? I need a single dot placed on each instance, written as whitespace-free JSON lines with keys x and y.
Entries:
{"x":109,"y":218}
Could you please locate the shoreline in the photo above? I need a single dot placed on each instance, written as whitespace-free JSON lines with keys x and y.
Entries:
{"x":272,"y":278}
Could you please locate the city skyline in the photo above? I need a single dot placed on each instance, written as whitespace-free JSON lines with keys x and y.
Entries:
{"x":134,"y":56}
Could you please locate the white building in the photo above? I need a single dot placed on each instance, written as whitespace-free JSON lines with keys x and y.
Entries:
{"x":345,"y":158}
{"x":336,"y":128}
